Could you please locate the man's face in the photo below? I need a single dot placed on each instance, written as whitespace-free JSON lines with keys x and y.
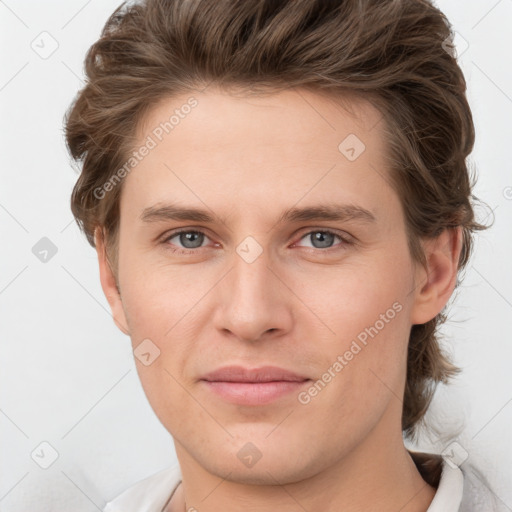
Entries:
{"x":326,"y":298}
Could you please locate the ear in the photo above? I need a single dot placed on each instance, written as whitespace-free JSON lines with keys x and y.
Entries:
{"x":108,"y":283}
{"x":434,"y":286}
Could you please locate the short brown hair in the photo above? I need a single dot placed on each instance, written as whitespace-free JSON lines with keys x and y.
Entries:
{"x":395,"y":53}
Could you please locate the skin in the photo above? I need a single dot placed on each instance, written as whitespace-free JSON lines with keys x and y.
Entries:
{"x":299,"y":305}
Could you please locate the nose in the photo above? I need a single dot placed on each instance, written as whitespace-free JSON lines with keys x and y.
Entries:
{"x":253,"y":303}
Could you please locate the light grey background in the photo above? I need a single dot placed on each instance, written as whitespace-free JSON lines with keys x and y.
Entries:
{"x":67,"y":374}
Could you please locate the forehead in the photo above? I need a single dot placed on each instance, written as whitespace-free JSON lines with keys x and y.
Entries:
{"x":259,"y":150}
{"x":309,"y":118}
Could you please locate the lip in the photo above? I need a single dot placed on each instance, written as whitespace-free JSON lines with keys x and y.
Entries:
{"x":252,"y":375}
{"x":253,"y":386}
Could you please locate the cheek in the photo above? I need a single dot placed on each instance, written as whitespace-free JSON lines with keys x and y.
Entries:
{"x":354,"y":295}
{"x":157,"y":296}
{"x":366,"y":309}
{"x":161,"y":305}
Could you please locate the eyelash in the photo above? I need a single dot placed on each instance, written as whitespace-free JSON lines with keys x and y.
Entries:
{"x":345,"y":240}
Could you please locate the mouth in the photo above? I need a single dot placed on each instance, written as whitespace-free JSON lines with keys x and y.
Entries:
{"x":256,"y":386}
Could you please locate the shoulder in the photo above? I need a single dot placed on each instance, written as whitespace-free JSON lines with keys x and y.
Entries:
{"x":148,"y":495}
{"x":478,"y":494}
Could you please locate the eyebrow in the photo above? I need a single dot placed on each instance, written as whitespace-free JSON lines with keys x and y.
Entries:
{"x":332,"y":212}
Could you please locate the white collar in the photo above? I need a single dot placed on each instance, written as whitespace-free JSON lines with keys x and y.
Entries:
{"x":448,"y":496}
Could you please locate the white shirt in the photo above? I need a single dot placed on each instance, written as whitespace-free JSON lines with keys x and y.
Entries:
{"x":458,"y":491}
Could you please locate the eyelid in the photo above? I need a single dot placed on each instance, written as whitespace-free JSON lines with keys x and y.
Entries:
{"x":345,"y":237}
{"x":171,"y":234}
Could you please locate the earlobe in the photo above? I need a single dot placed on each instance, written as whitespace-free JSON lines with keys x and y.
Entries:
{"x":435,"y":284}
{"x":108,"y":283}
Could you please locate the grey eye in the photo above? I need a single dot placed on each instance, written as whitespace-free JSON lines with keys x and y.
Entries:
{"x":321,"y":239}
{"x":191,"y":239}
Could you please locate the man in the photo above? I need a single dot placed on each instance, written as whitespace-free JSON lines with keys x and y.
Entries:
{"x":279,"y":200}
